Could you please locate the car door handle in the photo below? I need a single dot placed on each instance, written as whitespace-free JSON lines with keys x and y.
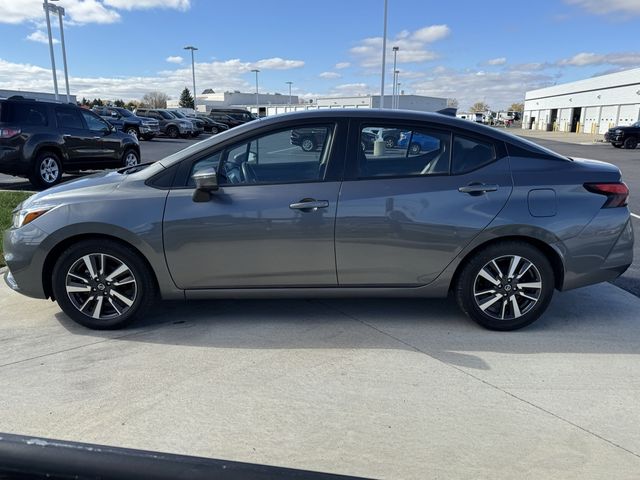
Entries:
{"x":478,"y":188}
{"x":97,"y":138}
{"x":66,"y":135}
{"x":309,"y":205}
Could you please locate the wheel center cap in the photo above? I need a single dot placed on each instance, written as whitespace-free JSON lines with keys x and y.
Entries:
{"x":101,"y":286}
{"x":507,"y":288}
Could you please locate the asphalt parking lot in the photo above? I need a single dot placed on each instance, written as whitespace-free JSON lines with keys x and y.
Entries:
{"x":377,"y":388}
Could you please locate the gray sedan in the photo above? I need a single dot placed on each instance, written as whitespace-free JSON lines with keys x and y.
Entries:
{"x":495,"y":220}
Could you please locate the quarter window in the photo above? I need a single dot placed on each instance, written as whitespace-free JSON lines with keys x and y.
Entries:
{"x":28,"y":114}
{"x":470,"y":154}
{"x":403,"y":152}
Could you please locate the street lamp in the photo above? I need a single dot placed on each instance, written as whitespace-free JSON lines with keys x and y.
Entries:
{"x":289,"y":83}
{"x":393,"y":95}
{"x":256,"y":71}
{"x":193,"y":73}
{"x":396,"y":98}
{"x":46,"y":6}
{"x":384,"y":55}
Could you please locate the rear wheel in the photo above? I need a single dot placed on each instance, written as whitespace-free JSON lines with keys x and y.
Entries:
{"x":631,"y":143}
{"x":414,"y":149}
{"x":505,"y":286}
{"x":214,"y":130}
{"x":46,"y":171}
{"x":102,"y":284}
{"x":389,"y":141}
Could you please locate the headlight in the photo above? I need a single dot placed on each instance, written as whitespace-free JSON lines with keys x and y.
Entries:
{"x":618,"y":131}
{"x":28,"y":215}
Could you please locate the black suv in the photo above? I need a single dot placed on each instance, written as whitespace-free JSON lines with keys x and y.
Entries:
{"x":231,"y":117}
{"x":41,"y":140}
{"x":627,"y":137}
{"x":128,"y":122}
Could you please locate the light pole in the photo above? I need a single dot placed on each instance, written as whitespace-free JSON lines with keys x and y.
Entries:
{"x":256,"y":71}
{"x":193,"y":74}
{"x":384,"y":55}
{"x":289,"y":83}
{"x":45,"y":5}
{"x":396,"y":98}
{"x":393,"y":95}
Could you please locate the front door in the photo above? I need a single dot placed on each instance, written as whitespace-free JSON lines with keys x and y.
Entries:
{"x":108,"y":151}
{"x":270,"y":224}
{"x":409,"y":209}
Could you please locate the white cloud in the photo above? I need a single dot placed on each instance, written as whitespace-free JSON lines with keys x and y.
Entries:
{"x":219,"y":75}
{"x":40,"y":37}
{"x":583,"y":59}
{"x":497,"y":61}
{"x":429,"y":34}
{"x":605,"y":7}
{"x":412,"y":46}
{"x":277,"y":63}
{"x":82,"y":11}
{"x":341,"y":65}
{"x":174,"y":59}
{"x":329,"y":75}
{"x":147,"y":4}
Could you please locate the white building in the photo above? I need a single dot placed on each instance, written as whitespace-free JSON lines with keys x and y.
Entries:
{"x":50,"y":97}
{"x":207,"y":101}
{"x":590,"y":106}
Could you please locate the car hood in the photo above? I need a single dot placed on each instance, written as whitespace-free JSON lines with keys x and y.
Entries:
{"x":94,"y":185}
{"x":624,"y":129}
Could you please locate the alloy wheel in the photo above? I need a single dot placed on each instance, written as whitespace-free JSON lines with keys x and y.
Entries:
{"x":130,"y":160}
{"x":307,"y":145}
{"x":101,"y":286}
{"x":49,"y":170}
{"x":507,"y":287}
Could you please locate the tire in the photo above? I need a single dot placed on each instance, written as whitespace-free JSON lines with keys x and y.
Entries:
{"x":498,"y":312}
{"x":631,"y":143}
{"x":148,"y":137}
{"x":390,"y":141}
{"x":46,"y":170}
{"x":173,"y":132}
{"x":616,"y":145}
{"x":130,"y":158}
{"x":137,"y":284}
{"x":308,"y":144}
{"x":414,"y":148}
{"x":133,"y":131}
{"x":214,"y":130}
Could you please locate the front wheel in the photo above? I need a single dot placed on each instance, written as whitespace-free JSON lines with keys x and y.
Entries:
{"x":631,"y":143}
{"x":505,"y":286}
{"x":308,"y":144}
{"x":130,"y":158}
{"x":102,"y":284}
{"x":415,"y":148}
{"x":132,"y":131}
{"x":173,"y":132}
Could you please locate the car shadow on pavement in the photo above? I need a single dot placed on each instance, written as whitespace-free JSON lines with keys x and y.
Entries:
{"x":577,"y":322}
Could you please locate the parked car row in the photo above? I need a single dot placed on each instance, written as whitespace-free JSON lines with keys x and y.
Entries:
{"x":128,"y":122}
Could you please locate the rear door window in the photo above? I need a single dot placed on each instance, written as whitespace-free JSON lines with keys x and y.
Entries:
{"x":69,"y":118}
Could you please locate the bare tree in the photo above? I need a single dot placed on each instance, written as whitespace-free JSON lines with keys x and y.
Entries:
{"x":517,"y":107}
{"x":479,"y":107}
{"x":155,"y":99}
{"x":452,"y":102}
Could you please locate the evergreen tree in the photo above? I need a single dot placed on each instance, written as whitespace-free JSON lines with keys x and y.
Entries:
{"x":119,"y":103}
{"x":186,"y":99}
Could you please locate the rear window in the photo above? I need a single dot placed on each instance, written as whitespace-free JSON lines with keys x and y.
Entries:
{"x":23,"y":113}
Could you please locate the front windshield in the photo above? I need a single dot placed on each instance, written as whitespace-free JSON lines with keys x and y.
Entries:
{"x":177,"y":114}
{"x":167,"y":115}
{"x":124,"y":112}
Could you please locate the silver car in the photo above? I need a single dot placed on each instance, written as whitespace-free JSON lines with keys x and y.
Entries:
{"x":495,"y":220}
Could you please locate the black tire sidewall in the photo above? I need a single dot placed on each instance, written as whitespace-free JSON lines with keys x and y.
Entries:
{"x":630,"y":143}
{"x":146,"y":287}
{"x":464,"y":287}
{"x":173,"y":132}
{"x":134,"y":130}
{"x":35,"y":176}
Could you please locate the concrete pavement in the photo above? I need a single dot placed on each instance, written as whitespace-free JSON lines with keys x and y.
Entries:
{"x":378,"y":388}
{"x":566,"y":137}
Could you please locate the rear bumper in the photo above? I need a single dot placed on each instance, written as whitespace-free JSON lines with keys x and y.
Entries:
{"x":11,"y":161}
{"x":601,"y":252}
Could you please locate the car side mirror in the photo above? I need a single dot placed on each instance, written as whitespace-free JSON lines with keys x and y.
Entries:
{"x":206,"y":182}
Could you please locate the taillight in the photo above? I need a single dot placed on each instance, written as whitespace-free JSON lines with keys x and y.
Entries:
{"x":616,"y":193}
{"x":9,"y":132}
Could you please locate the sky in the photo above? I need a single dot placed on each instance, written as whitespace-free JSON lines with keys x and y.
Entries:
{"x":470,"y":50}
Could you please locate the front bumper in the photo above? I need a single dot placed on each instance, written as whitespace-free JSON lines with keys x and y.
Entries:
{"x":614,"y":137}
{"x":185,"y":130}
{"x":25,"y":260}
{"x":150,"y":129}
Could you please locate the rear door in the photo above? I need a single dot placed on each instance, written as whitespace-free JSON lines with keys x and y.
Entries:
{"x":81,"y":144}
{"x":406,"y":211}
{"x":271,"y":223}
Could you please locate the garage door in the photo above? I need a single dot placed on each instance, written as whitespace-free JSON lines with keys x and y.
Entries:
{"x":628,"y":115}
{"x":591,"y":119}
{"x":608,"y":118}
